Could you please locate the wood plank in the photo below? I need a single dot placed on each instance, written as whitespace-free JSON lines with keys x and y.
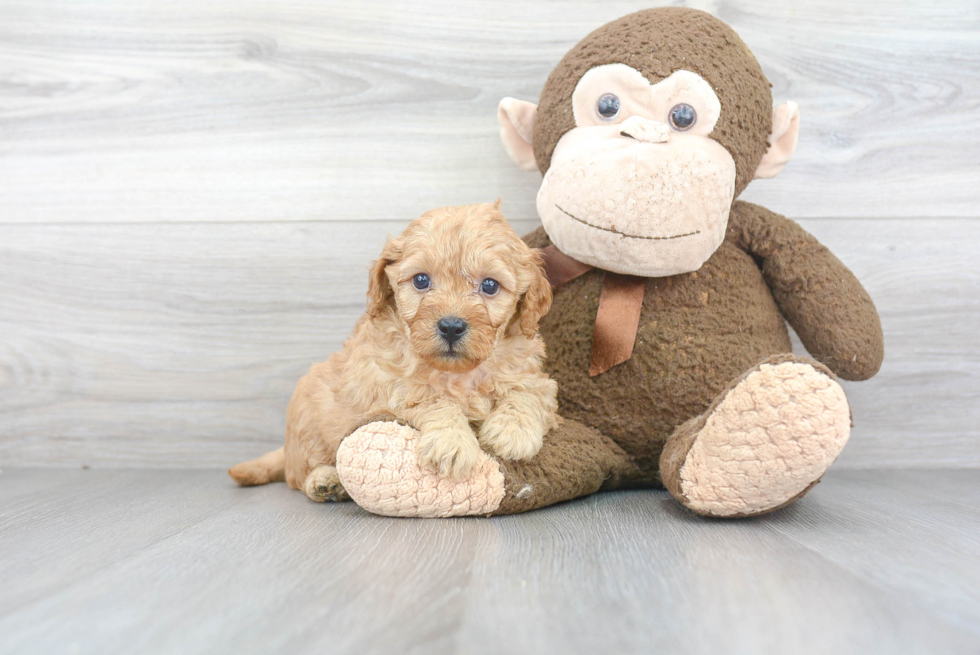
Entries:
{"x":269,"y":571}
{"x":702,"y":571}
{"x":916,"y":535}
{"x":279,"y":569}
{"x":229,"y":111}
{"x":79,"y":522}
{"x":179,"y":345}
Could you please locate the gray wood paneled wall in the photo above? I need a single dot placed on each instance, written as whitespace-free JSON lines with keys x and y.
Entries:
{"x":190,"y":195}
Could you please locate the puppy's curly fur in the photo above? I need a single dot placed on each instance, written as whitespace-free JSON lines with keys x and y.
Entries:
{"x":399,"y":361}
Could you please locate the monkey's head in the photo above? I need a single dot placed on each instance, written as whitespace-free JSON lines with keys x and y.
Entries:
{"x":646,"y":132}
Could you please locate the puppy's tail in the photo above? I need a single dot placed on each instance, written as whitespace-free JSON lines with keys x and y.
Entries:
{"x":271,"y":467}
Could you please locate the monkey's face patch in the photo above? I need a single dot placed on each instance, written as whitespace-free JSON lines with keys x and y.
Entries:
{"x":638,"y":187}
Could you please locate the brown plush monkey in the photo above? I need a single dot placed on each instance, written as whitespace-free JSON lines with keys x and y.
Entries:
{"x":667,"y":335}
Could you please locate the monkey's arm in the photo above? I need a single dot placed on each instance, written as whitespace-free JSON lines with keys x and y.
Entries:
{"x":823,"y":301}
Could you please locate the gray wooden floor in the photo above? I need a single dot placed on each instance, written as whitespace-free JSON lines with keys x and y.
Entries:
{"x":144,"y":561}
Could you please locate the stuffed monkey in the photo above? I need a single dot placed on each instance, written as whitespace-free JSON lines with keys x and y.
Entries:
{"x":667,"y":335}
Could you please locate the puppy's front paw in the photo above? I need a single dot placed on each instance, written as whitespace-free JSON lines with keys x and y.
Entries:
{"x":511,"y":438}
{"x":453,"y":453}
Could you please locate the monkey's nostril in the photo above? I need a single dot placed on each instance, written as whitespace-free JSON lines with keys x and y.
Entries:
{"x":627,"y":135}
{"x":451,"y":329}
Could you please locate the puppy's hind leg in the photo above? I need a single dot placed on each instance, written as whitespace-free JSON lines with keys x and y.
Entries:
{"x":323,"y":484}
{"x":263,"y":470}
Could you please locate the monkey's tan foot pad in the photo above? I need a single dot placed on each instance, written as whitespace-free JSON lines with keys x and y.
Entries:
{"x":769,"y":440}
{"x":379,"y":468}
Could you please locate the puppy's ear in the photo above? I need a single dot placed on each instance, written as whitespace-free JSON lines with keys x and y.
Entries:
{"x":380,"y":293}
{"x":536,"y":301}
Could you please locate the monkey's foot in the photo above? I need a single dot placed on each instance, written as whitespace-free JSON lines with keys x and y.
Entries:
{"x":762,"y":444}
{"x":379,"y":467}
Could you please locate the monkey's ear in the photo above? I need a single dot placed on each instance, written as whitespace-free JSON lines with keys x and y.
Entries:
{"x":380,"y":294}
{"x":516,"y":118}
{"x":782,"y":141}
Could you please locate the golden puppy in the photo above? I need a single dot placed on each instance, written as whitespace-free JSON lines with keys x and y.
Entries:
{"x":449,"y":341}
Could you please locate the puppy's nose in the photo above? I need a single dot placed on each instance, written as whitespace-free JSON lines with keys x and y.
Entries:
{"x":451,"y":329}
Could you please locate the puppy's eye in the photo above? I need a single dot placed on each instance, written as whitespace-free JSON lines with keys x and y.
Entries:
{"x":421,"y":282}
{"x":490,"y":287}
{"x":608,"y":106}
{"x":683,"y":117}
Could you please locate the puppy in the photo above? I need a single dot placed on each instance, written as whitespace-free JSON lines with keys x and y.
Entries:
{"x":448,"y":344}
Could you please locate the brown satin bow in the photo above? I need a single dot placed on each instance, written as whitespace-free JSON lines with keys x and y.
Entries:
{"x":618,"y":317}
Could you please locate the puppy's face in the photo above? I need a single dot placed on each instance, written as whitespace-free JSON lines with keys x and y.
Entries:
{"x":459,"y":280}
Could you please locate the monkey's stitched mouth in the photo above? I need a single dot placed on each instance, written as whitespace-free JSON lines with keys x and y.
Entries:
{"x":623,"y":234}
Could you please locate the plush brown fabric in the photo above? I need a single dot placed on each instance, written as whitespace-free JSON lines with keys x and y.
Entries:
{"x":574,"y":461}
{"x":701,"y":331}
{"x":698,"y":331}
{"x":618,"y":316}
{"x":657,"y":42}
{"x":823,"y":301}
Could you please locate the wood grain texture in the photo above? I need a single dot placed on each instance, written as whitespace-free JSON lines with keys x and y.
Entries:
{"x":191,"y":194}
{"x":179,"y":345}
{"x":182,"y":561}
{"x":231,"y":111}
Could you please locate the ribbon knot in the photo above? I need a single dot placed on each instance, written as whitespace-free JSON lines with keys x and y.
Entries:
{"x":618,"y":317}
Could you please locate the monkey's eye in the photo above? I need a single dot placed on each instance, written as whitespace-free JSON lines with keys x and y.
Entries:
{"x":608,"y":106}
{"x":490,"y":287}
{"x":683,"y":117}
{"x":421,"y":282}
